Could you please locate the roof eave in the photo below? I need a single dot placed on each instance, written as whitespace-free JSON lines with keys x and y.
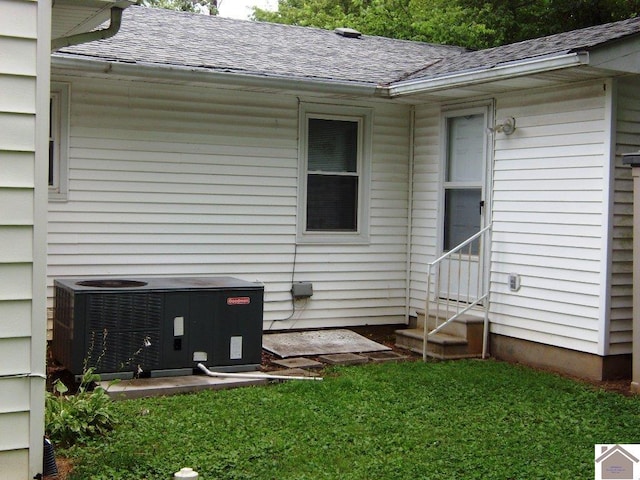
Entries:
{"x":491,"y":74}
{"x":71,"y":17}
{"x":190,"y":74}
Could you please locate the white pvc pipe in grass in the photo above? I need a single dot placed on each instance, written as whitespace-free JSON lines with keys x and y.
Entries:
{"x":252,"y":376}
{"x":186,"y":473}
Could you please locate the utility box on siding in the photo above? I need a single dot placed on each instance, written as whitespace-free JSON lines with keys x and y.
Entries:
{"x":157,"y":326}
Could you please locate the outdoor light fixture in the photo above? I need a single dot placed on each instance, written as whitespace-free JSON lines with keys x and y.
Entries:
{"x":507,"y":126}
{"x":632,"y":159}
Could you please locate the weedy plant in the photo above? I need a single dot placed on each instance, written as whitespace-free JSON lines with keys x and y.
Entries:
{"x":76,"y":418}
{"x":71,"y":419}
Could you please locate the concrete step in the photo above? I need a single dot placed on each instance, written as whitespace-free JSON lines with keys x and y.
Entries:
{"x":440,"y":345}
{"x":469,"y":326}
{"x":458,"y":327}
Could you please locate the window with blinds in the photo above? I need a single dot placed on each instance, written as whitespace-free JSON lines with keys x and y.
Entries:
{"x":334,"y":181}
{"x":332,"y":175}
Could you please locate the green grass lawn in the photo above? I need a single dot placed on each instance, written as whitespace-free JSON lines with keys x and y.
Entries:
{"x":442,"y":420}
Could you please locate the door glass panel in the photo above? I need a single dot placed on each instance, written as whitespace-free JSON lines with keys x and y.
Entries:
{"x":465,"y":148}
{"x":461,"y":217}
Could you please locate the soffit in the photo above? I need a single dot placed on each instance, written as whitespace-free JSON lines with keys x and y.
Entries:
{"x":70,"y":17}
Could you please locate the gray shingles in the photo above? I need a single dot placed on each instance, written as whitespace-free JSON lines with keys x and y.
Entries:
{"x":163,"y":37}
{"x":576,"y":40}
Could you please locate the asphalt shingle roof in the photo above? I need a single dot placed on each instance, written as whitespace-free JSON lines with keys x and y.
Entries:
{"x":168,"y":38}
{"x":576,"y":40}
{"x":165,"y":37}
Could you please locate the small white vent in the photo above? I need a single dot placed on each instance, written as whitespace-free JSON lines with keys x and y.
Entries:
{"x":348,"y":32}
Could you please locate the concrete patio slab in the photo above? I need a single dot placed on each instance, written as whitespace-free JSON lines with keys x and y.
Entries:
{"x":318,"y":342}
{"x":163,"y":386}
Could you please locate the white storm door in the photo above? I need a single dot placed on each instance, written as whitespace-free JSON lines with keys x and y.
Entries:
{"x":463,"y":194}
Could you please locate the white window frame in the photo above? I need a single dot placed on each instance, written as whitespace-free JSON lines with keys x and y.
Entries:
{"x":364,"y":117}
{"x":59,"y":134}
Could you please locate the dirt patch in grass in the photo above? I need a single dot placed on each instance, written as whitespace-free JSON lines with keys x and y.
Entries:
{"x":619,"y":386}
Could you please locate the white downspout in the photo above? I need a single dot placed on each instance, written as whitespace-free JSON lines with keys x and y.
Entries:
{"x":633,"y":159}
{"x":110,"y":31}
{"x":412,"y":126}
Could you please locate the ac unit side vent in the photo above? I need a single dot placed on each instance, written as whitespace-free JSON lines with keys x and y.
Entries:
{"x":124,"y":351}
{"x":129,"y":311}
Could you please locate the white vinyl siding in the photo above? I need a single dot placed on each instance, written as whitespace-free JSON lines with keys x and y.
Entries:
{"x":549,"y":217}
{"x":190,"y":181}
{"x":12,"y":461}
{"x":18,"y":20}
{"x":425,"y":188}
{"x":549,"y":211}
{"x":627,"y":140}
{"x":24,"y":50}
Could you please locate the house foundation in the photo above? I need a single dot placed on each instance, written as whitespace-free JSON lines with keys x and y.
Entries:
{"x":561,"y":360}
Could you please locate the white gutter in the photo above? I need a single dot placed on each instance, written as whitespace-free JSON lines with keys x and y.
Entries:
{"x":187,"y":75}
{"x":190,"y":74}
{"x":497,"y":73}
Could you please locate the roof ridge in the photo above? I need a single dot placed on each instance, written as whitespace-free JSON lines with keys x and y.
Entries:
{"x":215,"y":18}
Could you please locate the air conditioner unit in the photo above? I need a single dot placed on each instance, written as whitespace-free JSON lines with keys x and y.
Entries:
{"x":157,"y":326}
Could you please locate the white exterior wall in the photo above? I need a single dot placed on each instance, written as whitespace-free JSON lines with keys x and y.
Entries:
{"x":550,"y":217}
{"x":425,"y":188}
{"x":201,"y":181}
{"x":24,"y":94}
{"x":627,"y":140}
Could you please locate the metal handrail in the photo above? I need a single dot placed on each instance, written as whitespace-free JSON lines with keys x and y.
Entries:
{"x":481,"y":297}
